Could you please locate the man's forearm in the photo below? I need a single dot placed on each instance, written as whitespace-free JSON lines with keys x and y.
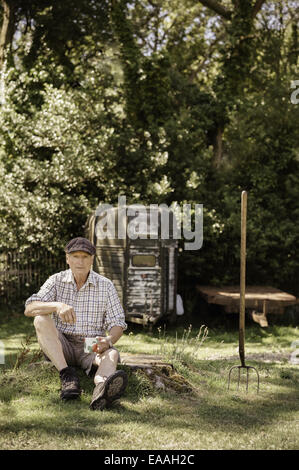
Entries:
{"x":40,"y":308}
{"x":115,"y":333}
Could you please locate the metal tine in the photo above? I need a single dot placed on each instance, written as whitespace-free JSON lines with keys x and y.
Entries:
{"x":247,"y":377}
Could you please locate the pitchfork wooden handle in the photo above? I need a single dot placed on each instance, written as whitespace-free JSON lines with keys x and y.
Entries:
{"x":242,"y":277}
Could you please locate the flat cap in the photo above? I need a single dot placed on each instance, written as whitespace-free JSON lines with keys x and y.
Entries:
{"x":80,"y":244}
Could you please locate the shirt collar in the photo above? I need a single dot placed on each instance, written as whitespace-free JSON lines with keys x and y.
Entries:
{"x":69,"y":277}
{"x":91,"y":279}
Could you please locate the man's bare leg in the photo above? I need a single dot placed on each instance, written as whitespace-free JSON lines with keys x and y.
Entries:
{"x":109,"y":383}
{"x":107,"y":364}
{"x":48,"y":340}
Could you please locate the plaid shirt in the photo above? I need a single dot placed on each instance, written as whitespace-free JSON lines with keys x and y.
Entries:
{"x":96,"y":304}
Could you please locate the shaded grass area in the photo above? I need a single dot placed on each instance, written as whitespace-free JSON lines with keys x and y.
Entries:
{"x":32,"y":416}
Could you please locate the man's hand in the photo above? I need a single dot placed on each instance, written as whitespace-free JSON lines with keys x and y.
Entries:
{"x":104,"y":342}
{"x":66,"y":313}
{"x":102,"y":345}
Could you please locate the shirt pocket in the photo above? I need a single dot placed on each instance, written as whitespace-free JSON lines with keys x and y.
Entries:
{"x":65,"y":295}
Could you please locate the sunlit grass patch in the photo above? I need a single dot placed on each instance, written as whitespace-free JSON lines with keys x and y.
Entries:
{"x":206,"y":416}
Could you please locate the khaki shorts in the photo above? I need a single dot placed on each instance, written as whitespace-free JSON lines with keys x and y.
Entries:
{"x":74,"y":354}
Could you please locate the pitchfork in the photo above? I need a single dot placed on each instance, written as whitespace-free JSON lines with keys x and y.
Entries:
{"x":242,"y":300}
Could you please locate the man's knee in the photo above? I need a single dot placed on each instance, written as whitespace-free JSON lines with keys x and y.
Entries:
{"x":113,"y":354}
{"x":41,"y":322}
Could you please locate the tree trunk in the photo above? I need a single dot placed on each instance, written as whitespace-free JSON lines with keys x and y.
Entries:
{"x":7,"y":28}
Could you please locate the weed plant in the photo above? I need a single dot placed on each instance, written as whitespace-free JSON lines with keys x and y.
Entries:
{"x":181,"y":349}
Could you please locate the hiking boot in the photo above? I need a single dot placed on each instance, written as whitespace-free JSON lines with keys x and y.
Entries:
{"x":70,"y":387}
{"x":106,"y":392}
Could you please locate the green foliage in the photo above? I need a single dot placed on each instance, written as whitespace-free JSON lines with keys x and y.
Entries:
{"x":100,"y":99}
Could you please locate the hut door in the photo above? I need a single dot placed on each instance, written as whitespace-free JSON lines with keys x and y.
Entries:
{"x":143,"y":279}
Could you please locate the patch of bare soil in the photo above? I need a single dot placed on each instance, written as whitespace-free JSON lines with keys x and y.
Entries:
{"x":262,"y":357}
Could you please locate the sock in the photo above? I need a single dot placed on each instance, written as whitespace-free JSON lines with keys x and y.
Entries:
{"x":98,"y":379}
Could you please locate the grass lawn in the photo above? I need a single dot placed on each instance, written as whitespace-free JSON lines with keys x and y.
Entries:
{"x":207,"y":416}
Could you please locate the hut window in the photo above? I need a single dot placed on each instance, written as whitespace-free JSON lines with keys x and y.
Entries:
{"x":144,"y":261}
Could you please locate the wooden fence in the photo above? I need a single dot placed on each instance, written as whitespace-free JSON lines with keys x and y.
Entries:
{"x":21,"y":273}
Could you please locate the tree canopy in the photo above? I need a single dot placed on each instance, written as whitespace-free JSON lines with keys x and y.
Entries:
{"x":161,"y":101}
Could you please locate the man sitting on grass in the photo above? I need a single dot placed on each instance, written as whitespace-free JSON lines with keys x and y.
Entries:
{"x":84,"y":304}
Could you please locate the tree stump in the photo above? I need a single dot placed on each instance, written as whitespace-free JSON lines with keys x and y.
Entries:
{"x":161,"y":374}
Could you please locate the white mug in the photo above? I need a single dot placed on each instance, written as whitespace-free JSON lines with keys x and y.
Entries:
{"x":89,"y":343}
